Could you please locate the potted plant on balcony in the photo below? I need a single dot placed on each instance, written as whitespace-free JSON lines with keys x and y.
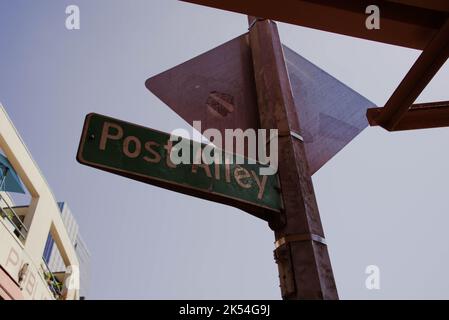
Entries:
{"x":8,"y":221}
{"x":54,"y":285}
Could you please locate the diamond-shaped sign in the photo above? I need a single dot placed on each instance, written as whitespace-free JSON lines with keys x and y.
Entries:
{"x":218,"y":89}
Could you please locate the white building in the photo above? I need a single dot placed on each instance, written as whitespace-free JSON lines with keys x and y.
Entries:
{"x":54,"y":259}
{"x":24,"y":229}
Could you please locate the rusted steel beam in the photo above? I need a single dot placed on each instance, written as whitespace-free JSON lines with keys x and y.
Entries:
{"x":439,"y":5}
{"x":408,"y":23}
{"x":419,"y":116}
{"x":301,"y":253}
{"x":426,"y":66}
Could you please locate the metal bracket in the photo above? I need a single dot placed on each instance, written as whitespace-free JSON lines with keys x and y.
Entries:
{"x":297,"y":136}
{"x":283,"y":259}
{"x":287,"y":134}
{"x":255,"y":21}
{"x":298,"y":238}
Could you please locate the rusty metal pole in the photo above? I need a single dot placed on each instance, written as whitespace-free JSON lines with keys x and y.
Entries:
{"x":305,"y":270}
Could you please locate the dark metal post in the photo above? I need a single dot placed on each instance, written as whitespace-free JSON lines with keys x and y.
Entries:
{"x":301,"y":254}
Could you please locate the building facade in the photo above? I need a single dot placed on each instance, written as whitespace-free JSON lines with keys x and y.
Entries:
{"x":54,"y":259}
{"x":24,"y":228}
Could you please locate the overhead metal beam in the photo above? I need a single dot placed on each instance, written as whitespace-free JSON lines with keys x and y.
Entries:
{"x":439,"y":5}
{"x":408,"y":23}
{"x":426,"y":66}
{"x":419,"y":116}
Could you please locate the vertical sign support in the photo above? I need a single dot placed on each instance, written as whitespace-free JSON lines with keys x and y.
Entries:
{"x":305,"y":270}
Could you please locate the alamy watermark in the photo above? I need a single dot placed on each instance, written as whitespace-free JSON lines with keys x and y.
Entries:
{"x":372,"y":22}
{"x":258,"y":146}
{"x":372,"y":282}
{"x":73,"y":20}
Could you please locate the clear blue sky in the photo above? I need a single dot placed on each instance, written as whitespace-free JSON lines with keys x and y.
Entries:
{"x":383,"y":199}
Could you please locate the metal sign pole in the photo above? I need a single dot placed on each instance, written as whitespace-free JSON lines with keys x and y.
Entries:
{"x":301,"y":253}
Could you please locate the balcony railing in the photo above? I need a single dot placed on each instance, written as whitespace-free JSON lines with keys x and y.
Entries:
{"x":8,"y":213}
{"x":53,"y":283}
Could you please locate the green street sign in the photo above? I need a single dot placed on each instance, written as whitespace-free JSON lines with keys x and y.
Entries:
{"x":143,"y":154}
